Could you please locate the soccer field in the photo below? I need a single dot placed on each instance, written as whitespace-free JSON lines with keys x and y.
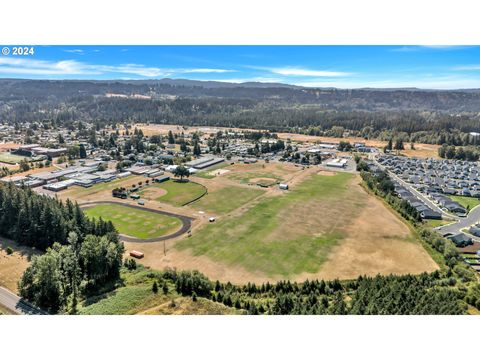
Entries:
{"x":9,"y":158}
{"x":137,"y":223}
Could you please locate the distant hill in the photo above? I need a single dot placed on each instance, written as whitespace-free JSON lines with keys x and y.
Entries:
{"x":453,"y":101}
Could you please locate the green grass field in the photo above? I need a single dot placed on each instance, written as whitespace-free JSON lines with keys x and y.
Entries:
{"x":272,"y":237}
{"x":224,"y":200}
{"x":8,"y":158}
{"x":437,"y":222}
{"x":246,"y":177}
{"x":132,"y":222}
{"x":466,"y":201}
{"x":178,"y":193}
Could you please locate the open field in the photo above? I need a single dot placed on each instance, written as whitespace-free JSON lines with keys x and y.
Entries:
{"x":327,"y":227}
{"x":13,"y":266}
{"x":261,"y":172}
{"x":465,"y":201}
{"x":9,"y":158}
{"x":226,"y":199}
{"x":136,"y":223}
{"x":137,"y":298}
{"x":421,"y":150}
{"x":173,"y":192}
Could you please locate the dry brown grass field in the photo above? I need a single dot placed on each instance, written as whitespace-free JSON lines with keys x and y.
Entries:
{"x":13,"y":266}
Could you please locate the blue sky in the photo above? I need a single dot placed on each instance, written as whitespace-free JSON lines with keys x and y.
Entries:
{"x":428,"y":67}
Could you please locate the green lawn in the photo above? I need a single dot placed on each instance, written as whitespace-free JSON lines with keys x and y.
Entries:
{"x":466,"y":201}
{"x":137,"y":223}
{"x":178,"y":193}
{"x":271,"y":237}
{"x":8,"y":158}
{"x":437,"y":222}
{"x":224,"y":200}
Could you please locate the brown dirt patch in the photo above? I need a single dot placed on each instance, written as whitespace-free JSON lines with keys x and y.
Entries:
{"x":9,"y":146}
{"x":153,"y":192}
{"x":326,"y":173}
{"x":218,"y":172}
{"x":13,"y":266}
{"x":379,"y":243}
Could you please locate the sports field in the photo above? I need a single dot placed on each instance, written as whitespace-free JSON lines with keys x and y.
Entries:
{"x":226,"y":199}
{"x":9,"y":158}
{"x":324,"y":227}
{"x":136,"y":223}
{"x":173,"y":192}
{"x":274,"y":236}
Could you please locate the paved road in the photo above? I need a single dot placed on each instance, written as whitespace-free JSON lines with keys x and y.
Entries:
{"x":186,"y":221}
{"x":17,"y":305}
{"x":418,"y":194}
{"x":471,"y":219}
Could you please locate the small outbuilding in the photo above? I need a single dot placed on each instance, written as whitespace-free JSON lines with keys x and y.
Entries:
{"x":136,"y":254}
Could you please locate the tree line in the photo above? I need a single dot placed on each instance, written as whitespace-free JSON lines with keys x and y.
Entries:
{"x":40,"y":221}
{"x":82,"y":254}
{"x":380,"y":295}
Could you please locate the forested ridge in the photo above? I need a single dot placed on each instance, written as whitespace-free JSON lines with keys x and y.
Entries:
{"x":437,"y":117}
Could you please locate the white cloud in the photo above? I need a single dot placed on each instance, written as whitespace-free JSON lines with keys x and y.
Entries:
{"x":10,"y":65}
{"x":300,"y":71}
{"x":295,"y":71}
{"x":244,"y":80}
{"x":74,"y":51}
{"x":414,"y":48}
{"x":468,"y":67}
{"x":204,"y":71}
{"x":440,"y":83}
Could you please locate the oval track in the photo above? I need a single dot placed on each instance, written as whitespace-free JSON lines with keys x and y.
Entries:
{"x":186,"y":222}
